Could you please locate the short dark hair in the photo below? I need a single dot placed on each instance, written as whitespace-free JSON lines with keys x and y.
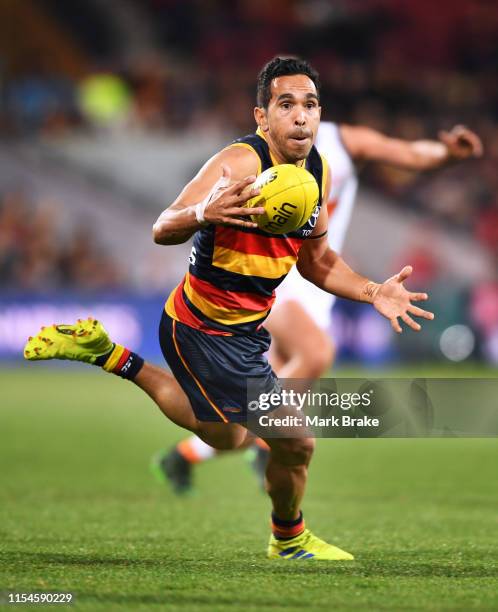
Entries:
{"x":280,"y":66}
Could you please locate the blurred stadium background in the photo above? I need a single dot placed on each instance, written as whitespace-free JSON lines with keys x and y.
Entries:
{"x":109,"y":107}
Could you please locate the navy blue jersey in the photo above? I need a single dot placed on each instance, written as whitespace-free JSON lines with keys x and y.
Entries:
{"x":233,"y":273}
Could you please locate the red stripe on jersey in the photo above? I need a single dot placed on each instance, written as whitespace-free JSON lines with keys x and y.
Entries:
{"x":254,"y":244}
{"x":230,"y":299}
{"x":186,"y":316}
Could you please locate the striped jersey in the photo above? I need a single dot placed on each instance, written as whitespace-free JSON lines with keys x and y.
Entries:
{"x":230,"y":285}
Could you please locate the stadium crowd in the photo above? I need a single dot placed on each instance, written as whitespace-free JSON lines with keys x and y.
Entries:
{"x":200,"y":78}
{"x":373,"y":69}
{"x":39,"y":254}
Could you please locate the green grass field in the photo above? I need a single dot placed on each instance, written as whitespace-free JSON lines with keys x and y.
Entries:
{"x":80,"y":512}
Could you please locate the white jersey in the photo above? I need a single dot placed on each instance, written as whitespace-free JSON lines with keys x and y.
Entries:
{"x":344,"y":185}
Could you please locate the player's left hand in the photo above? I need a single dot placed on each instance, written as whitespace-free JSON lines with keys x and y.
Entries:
{"x":392,"y":300}
{"x":461,"y":143}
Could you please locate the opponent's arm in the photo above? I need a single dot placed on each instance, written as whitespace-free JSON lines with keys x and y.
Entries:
{"x":366,"y":144}
{"x":216,"y":194}
{"x":322,"y":266}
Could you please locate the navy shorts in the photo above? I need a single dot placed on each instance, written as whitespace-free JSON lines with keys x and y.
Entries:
{"x":214,"y":370}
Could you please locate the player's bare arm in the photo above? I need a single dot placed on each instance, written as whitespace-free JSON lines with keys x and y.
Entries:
{"x":322,"y":266}
{"x":366,"y":144}
{"x":217,"y":194}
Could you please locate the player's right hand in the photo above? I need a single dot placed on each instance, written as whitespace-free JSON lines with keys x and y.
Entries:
{"x":225,"y":203}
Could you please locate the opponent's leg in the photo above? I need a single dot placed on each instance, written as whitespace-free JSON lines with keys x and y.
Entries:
{"x":300,"y":348}
{"x":175,"y":466}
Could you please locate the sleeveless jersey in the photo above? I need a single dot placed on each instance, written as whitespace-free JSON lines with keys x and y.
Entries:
{"x":230,"y":285}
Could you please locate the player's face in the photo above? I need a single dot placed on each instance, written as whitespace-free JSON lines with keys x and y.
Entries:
{"x":292,"y":118}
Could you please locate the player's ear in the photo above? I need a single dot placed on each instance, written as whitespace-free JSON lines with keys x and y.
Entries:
{"x":260,"y":117}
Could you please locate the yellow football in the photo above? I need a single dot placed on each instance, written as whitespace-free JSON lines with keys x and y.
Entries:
{"x":289,"y":195}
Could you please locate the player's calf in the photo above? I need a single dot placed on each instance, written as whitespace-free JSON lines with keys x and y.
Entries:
{"x":88,"y":341}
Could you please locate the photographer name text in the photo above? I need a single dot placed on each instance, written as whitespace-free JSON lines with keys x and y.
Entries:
{"x":344,"y":420}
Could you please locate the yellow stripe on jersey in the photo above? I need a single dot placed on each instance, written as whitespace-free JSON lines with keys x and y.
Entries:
{"x":169,"y":307}
{"x":227,"y":316}
{"x":252,"y":265}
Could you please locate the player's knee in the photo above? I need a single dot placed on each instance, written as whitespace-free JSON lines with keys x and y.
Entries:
{"x":302,"y":450}
{"x":305,"y":450}
{"x":293,"y":452}
{"x":221,"y":439}
{"x":223,"y":444}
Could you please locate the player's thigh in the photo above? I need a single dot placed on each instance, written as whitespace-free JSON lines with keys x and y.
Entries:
{"x":294,"y":331}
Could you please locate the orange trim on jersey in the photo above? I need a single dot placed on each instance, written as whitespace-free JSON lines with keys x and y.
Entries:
{"x":255,"y":244}
{"x":221,"y":314}
{"x":201,"y":388}
{"x":252,"y":265}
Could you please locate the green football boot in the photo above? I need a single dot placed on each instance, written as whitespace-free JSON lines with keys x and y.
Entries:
{"x":85,"y":341}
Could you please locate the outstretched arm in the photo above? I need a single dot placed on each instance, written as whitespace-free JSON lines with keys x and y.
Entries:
{"x":322,"y":266}
{"x":366,"y":144}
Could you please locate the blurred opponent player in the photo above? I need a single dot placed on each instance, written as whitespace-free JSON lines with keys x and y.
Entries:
{"x":301,"y":317}
{"x":211,"y":331}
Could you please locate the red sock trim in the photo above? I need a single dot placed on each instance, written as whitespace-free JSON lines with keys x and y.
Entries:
{"x":122,"y":360}
{"x":287,"y":532}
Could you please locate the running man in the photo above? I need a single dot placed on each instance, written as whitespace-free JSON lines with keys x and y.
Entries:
{"x":300,"y":320}
{"x":211,"y":329}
